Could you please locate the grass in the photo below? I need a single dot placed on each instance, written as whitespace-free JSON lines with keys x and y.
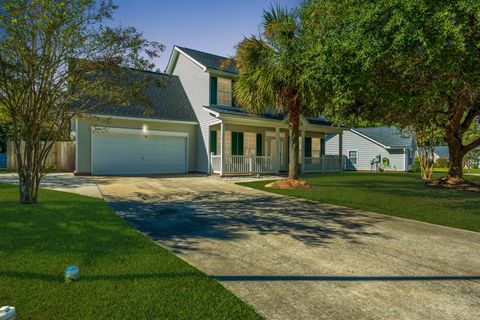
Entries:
{"x":465,"y":171}
{"x":401,"y":195}
{"x":124,"y":275}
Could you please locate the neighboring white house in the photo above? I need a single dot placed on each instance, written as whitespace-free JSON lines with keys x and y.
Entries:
{"x":194,"y":126}
{"x":365,"y":149}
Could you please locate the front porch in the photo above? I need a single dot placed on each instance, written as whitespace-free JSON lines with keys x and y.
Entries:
{"x":237,"y":149}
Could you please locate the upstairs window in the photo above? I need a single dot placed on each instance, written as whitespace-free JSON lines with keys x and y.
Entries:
{"x":224,"y":92}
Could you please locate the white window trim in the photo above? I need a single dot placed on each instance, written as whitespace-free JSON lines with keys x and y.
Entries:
{"x":348,"y":155}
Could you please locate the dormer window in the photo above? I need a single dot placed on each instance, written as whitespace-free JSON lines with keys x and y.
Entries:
{"x":221,"y":91}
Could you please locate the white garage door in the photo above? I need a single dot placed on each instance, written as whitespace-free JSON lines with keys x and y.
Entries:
{"x":114,"y":153}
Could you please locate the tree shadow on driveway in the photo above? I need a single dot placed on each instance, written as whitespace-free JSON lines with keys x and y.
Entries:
{"x":183,"y":219}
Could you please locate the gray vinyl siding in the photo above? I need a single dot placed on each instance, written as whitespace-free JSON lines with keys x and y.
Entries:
{"x":366,"y":151}
{"x":196,"y":84}
{"x":84,"y":136}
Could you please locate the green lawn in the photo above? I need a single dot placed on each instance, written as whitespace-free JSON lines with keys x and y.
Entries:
{"x":124,"y":275}
{"x":474,"y":171}
{"x":401,"y":195}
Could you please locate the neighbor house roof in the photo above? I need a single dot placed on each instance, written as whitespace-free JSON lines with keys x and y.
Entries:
{"x":208,"y":61}
{"x":442,"y":151}
{"x":388,"y":137}
{"x":170,"y":102}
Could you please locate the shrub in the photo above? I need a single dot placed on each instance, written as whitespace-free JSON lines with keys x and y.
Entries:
{"x":441,"y":163}
{"x":416,"y":165}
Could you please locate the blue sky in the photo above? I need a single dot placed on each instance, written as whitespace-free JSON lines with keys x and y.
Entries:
{"x":208,"y":25}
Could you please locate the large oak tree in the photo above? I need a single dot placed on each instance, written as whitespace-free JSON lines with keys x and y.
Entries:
{"x":400,"y":62}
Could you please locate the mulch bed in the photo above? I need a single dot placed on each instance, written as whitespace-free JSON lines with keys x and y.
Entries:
{"x":289,"y":184}
{"x":454,"y":183}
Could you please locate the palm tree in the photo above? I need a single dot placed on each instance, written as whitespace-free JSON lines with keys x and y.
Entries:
{"x":270,"y":75}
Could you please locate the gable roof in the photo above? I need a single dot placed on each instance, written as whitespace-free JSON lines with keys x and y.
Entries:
{"x":206,"y":60}
{"x":387,"y":137}
{"x":170,"y":102}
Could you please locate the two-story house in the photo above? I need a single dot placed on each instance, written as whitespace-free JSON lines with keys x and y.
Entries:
{"x":194,"y":126}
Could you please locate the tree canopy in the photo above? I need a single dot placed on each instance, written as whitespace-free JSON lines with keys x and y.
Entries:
{"x":270,"y":73}
{"x":403,"y":62}
{"x":59,"y":59}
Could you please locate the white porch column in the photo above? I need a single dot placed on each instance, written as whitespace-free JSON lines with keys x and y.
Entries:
{"x":302,"y":153}
{"x":222,"y":147}
{"x":277,"y":150}
{"x":340,"y":150}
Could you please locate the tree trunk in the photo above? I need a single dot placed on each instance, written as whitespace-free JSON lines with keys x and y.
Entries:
{"x":455,"y":169}
{"x":28,"y":176}
{"x":294,"y":125}
{"x":456,"y":155}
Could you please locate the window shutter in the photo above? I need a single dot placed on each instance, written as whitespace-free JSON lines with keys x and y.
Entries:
{"x":237,"y":143}
{"x":234,"y":143}
{"x":308,"y":147}
{"x":322,"y":147}
{"x":213,"y":90}
{"x":213,"y":141}
{"x":240,"y":143}
{"x":233,"y":99}
{"x":259,"y":144}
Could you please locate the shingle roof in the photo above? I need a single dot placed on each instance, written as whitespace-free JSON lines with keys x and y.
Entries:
{"x":386,"y":136}
{"x":211,"y":61}
{"x":235,"y":111}
{"x":170,"y":102}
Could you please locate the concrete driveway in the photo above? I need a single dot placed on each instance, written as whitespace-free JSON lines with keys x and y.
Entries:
{"x":65,"y":182}
{"x":295,"y":259}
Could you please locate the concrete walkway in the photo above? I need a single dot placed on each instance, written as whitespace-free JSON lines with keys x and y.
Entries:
{"x":66,"y":182}
{"x":295,"y":259}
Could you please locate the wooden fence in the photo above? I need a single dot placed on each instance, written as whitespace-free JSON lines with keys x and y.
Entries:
{"x":60,"y":159}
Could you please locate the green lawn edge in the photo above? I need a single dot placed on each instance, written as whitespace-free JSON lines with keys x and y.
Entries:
{"x":396,"y":194}
{"x":124,"y":274}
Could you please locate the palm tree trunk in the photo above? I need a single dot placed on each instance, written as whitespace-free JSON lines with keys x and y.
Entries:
{"x":294,"y":126}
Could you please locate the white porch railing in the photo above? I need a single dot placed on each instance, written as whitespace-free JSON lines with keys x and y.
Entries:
{"x":327,"y":163}
{"x":241,"y":164}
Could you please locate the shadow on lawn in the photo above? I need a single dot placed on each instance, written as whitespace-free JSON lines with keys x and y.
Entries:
{"x":404,"y":186}
{"x":111,"y":277}
{"x":180,"y":220}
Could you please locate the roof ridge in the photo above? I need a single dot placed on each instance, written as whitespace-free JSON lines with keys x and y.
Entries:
{"x":204,"y":52}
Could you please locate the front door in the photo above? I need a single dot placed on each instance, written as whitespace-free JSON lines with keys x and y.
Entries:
{"x":270,"y":151}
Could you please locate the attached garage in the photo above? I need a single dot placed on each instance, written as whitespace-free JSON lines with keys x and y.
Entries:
{"x":133,"y":151}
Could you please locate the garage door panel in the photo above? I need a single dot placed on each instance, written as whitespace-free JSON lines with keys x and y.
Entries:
{"x":136,"y":154}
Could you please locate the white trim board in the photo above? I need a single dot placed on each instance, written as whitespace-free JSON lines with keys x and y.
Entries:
{"x":141,"y":119}
{"x":170,"y":66}
{"x":140,"y":132}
